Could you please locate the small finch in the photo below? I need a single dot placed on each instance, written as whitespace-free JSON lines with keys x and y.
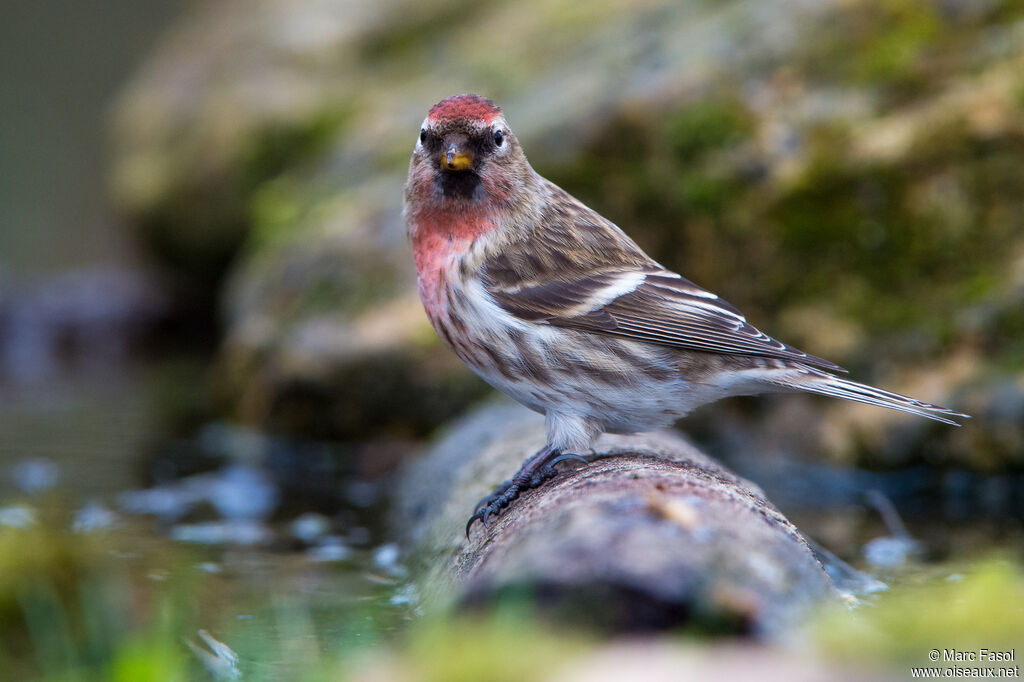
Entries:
{"x":555,"y":306}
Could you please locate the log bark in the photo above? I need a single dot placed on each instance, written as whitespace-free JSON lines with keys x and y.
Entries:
{"x":650,"y":534}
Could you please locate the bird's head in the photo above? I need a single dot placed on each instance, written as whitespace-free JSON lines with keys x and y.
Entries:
{"x":466,"y":155}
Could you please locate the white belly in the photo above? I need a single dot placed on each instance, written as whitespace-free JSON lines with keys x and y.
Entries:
{"x":624,"y":385}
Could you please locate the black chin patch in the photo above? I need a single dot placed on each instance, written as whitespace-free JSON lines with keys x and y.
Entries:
{"x":458,"y":184}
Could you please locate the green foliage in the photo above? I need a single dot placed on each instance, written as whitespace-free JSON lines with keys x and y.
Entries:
{"x":67,"y":613}
{"x":70,"y":613}
{"x":150,"y":658}
{"x":84,"y":607}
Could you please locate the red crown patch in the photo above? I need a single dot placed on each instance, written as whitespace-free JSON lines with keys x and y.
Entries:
{"x":464,"y":106}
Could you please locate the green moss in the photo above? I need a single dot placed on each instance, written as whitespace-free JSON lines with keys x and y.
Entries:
{"x":285,"y":146}
{"x":416,"y":30}
{"x":900,"y":49}
{"x":671,"y":180}
{"x":199,"y":226}
{"x":351,"y":291}
{"x":280,"y":193}
{"x":276,"y":212}
{"x":904,"y":30}
{"x":707,"y":192}
{"x":707,"y":126}
{"x":505,"y":647}
{"x":984,"y":609}
{"x":893,"y":245}
{"x":896,"y":245}
{"x":1002,"y":335}
{"x":305,"y":273}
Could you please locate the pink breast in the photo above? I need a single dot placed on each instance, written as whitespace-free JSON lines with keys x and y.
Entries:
{"x":439,"y":240}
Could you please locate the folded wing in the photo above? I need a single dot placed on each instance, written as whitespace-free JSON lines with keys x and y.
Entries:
{"x":646,"y":304}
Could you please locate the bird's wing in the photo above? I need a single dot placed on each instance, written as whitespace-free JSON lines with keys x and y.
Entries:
{"x":647,"y":304}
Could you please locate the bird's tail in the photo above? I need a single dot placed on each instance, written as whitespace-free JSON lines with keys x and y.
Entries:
{"x":836,"y":387}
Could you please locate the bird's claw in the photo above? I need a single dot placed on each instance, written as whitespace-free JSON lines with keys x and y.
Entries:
{"x":567,"y":456}
{"x":494,"y":504}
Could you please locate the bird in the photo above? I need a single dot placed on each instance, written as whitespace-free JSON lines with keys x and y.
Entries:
{"x":555,"y":306}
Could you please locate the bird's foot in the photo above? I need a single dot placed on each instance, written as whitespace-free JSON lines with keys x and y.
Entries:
{"x":536,"y":471}
{"x":495,"y":503}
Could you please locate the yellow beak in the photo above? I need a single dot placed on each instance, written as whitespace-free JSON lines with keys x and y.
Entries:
{"x":455,"y":159}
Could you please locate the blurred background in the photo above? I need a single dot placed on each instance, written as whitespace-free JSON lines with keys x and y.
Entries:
{"x":213,"y":359}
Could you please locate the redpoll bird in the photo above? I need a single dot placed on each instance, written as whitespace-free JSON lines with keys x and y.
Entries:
{"x":555,"y":306}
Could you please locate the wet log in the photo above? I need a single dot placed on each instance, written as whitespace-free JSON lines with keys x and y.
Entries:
{"x":651,"y":534}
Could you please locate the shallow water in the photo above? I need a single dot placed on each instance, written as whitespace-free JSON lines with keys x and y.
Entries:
{"x":125,"y":518}
{"x":282,"y":581}
{"x":278,"y":550}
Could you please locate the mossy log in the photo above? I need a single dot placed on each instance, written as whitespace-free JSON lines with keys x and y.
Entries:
{"x":651,"y":534}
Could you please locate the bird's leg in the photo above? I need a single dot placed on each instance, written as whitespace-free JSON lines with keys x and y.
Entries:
{"x":539,"y":468}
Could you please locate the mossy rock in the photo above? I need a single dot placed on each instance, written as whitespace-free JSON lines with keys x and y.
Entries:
{"x":886,"y":239}
{"x":240,"y":93}
{"x":978,"y":608}
{"x":252,"y":146}
{"x":852,"y":191}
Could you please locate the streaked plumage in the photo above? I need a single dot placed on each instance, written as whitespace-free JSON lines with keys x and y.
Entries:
{"x":555,"y":306}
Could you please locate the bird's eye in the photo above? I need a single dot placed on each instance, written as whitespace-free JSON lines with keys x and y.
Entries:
{"x":499,"y":137}
{"x":423,"y":135}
